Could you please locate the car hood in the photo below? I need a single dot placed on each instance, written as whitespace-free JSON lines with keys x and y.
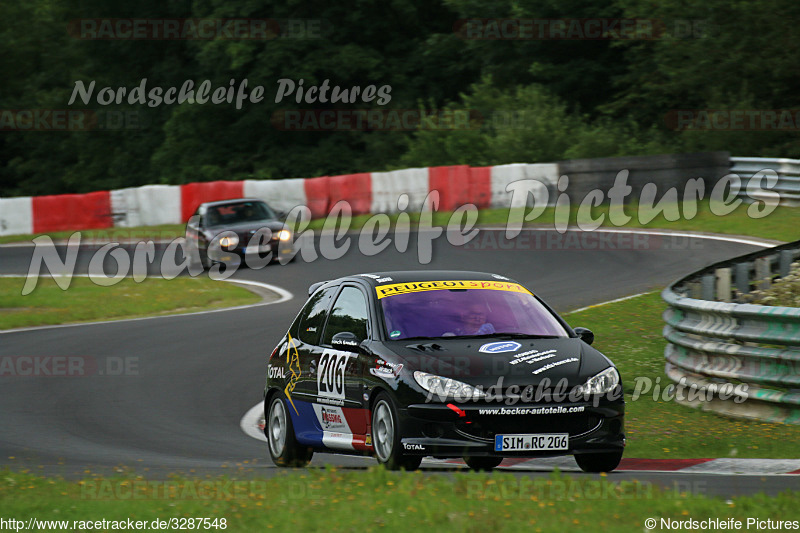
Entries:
{"x":521,"y":362}
{"x":246,"y":227}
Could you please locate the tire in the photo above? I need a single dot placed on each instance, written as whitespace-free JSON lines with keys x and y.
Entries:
{"x":598,"y":462}
{"x":483,"y":464}
{"x":283,"y":447}
{"x":386,"y":437}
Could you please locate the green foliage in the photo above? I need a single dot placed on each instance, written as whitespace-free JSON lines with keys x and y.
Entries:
{"x":784,"y":292}
{"x":535,"y":100}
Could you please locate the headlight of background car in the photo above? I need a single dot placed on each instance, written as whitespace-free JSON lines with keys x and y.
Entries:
{"x":601,"y":383}
{"x":229,"y":242}
{"x":447,"y":388}
{"x":284,"y":235}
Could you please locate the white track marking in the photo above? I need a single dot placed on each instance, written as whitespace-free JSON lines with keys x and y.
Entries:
{"x":752,"y":241}
{"x":283,"y":294}
{"x":605,"y":303}
{"x":251,"y":419}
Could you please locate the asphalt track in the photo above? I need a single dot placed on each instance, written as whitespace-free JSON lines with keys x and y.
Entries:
{"x":190,"y":378}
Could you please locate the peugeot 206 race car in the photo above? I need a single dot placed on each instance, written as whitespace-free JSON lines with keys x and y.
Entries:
{"x":404,"y":365}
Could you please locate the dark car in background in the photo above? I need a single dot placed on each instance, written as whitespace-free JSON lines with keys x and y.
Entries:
{"x":244,"y":227}
{"x":404,"y":365}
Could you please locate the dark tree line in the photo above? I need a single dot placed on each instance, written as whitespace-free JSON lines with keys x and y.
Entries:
{"x":528,"y":100}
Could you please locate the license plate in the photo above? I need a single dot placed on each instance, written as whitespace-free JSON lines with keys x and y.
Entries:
{"x":531,"y":442}
{"x":253,"y":249}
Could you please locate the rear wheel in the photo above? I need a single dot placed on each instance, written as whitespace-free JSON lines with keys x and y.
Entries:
{"x":598,"y":462}
{"x":283,"y":446}
{"x":386,"y":437}
{"x":485,"y":464}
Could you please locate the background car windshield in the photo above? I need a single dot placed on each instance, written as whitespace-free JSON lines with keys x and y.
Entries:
{"x":238,"y":213}
{"x":467,"y":312}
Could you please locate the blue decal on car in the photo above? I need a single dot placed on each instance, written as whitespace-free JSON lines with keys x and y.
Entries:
{"x":500,"y":347}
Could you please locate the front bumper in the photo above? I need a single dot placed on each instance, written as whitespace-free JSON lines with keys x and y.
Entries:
{"x":448,"y":430}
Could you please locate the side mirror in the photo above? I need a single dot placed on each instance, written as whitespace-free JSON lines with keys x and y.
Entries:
{"x":585,"y":335}
{"x":346,"y":341}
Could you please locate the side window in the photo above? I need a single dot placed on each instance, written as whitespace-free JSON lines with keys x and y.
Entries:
{"x":312,"y":318}
{"x":349,"y":313}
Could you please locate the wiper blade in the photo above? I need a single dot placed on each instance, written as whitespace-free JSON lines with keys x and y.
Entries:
{"x":525,"y":336}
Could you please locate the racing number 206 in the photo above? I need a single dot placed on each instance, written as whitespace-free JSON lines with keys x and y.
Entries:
{"x":330,"y":377}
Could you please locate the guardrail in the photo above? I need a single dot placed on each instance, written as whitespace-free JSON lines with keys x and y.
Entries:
{"x":788,"y":176}
{"x":753,"y":350}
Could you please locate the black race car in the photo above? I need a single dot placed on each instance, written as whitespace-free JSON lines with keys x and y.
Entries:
{"x":405,"y":365}
{"x":244,"y":230}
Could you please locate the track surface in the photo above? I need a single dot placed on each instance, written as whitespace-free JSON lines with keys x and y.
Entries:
{"x":198,"y":374}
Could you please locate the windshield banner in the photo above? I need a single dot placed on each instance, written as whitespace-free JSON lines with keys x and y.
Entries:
{"x":420,"y":286}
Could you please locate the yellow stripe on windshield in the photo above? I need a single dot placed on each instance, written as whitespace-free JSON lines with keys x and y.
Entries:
{"x":420,"y":286}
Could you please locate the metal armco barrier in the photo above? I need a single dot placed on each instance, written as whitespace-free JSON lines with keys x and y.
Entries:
{"x":713,"y":339}
{"x":788,"y":176}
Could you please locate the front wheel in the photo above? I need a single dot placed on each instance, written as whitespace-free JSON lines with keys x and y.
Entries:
{"x":598,"y":462}
{"x":386,"y":437}
{"x":283,"y":446}
{"x":485,"y":464}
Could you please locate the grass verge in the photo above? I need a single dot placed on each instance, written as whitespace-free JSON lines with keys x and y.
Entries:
{"x":325,"y":499}
{"x":87,"y":302}
{"x":779,"y":225}
{"x":629,"y":332}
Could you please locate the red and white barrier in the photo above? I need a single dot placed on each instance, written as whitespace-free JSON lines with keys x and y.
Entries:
{"x":150,"y":205}
{"x":194,"y":194}
{"x":282,"y":195}
{"x":375,"y":192}
{"x":66,"y":212}
{"x":545,"y":173}
{"x":388,"y":186}
{"x":16,"y":216}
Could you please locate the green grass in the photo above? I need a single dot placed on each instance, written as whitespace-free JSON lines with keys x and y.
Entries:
{"x":629,"y":332}
{"x":86,"y":302}
{"x":779,"y":225}
{"x":165,"y":231}
{"x":377,"y":500}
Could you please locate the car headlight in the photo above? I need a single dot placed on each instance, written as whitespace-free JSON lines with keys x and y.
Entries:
{"x":600,"y":383}
{"x":229,"y":242}
{"x":285,"y":235}
{"x":447,"y":388}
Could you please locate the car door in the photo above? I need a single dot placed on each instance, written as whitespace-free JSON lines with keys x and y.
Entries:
{"x":339,"y":405}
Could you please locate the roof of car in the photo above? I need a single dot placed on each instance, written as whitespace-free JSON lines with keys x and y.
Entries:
{"x":409,"y":276}
{"x":230,"y":201}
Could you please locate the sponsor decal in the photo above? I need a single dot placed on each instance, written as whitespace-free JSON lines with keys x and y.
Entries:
{"x":330,"y":374}
{"x":395,"y":333}
{"x":384,"y":280}
{"x":293,"y":362}
{"x":497,"y":276}
{"x":532,"y":356}
{"x":330,"y":401}
{"x":555,"y":364}
{"x":371,"y":276}
{"x":365,"y":396}
{"x":554,"y":410}
{"x":276,"y":372}
{"x":386,"y":369}
{"x":332,"y":418}
{"x":500,"y":347}
{"x":419,"y":447}
{"x":420,"y":286}
{"x":368,"y":440}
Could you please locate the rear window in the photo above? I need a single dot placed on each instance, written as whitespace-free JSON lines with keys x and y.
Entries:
{"x":439,"y":310}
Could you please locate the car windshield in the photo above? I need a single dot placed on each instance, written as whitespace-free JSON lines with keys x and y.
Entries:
{"x":224,"y":215}
{"x":432,"y":310}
